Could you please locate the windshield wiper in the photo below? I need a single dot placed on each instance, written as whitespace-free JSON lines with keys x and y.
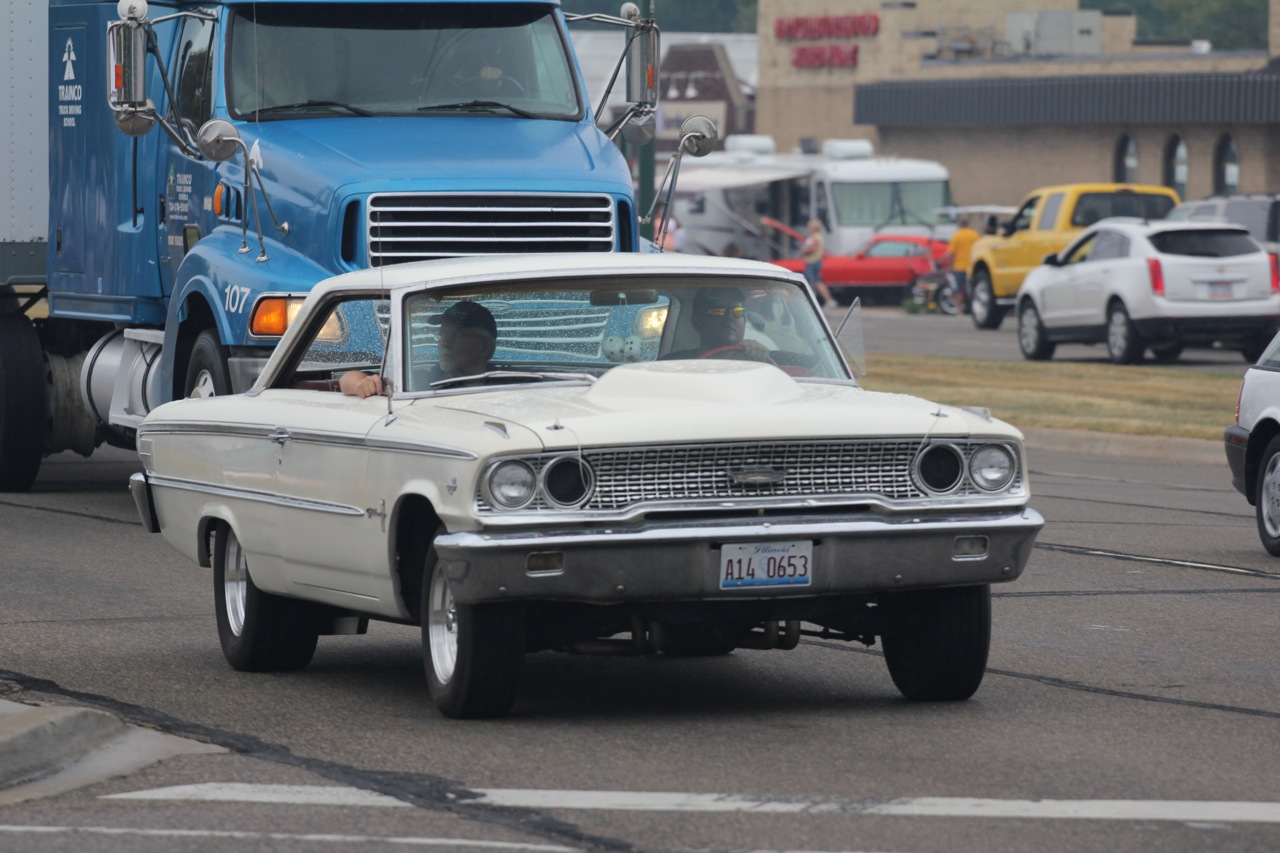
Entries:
{"x":515,"y":375}
{"x":280,"y":108}
{"x":480,"y":105}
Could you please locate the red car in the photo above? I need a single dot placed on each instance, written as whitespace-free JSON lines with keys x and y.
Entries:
{"x":886,"y":265}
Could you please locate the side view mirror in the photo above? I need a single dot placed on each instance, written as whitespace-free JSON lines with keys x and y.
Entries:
{"x":643,"y":52}
{"x":127,"y":69}
{"x":218,"y":139}
{"x":1051,"y":260}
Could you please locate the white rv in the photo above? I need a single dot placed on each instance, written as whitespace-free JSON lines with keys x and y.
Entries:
{"x":732,"y":201}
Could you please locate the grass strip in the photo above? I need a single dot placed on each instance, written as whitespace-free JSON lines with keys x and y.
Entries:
{"x":1136,"y":400}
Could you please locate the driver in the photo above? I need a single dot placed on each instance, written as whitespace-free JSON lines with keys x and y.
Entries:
{"x":720,"y":320}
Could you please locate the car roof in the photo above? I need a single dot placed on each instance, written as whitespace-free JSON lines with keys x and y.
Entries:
{"x":1105,"y":188}
{"x":1152,"y":226}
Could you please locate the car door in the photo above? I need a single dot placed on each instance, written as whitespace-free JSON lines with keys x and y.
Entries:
{"x":1058,"y":302}
{"x":329,"y":533}
{"x":887,"y":261}
{"x":1101,"y":274}
{"x":1015,"y":256}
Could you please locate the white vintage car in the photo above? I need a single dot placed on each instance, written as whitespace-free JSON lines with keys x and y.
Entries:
{"x":617,"y":475}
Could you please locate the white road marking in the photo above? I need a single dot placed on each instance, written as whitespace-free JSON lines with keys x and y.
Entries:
{"x":1182,"y":811}
{"x":316,"y":838}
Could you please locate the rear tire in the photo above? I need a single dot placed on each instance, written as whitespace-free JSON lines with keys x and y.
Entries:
{"x":259,"y":632}
{"x":1124,"y":344}
{"x":982,"y":304}
{"x":936,"y":641}
{"x":1032,"y":339}
{"x":207,"y":371}
{"x":472,"y":653}
{"x":22,"y":403}
{"x":1166,"y":354}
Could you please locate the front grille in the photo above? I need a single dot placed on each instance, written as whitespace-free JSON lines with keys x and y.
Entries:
{"x":422,"y":226}
{"x":875,"y":468}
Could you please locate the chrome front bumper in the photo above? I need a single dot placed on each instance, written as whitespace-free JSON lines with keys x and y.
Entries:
{"x":682,"y":562}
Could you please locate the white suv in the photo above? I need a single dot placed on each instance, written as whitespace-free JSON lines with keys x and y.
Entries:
{"x":1253,"y":444}
{"x":1134,"y":284}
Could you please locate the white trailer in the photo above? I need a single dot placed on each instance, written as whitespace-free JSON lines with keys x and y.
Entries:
{"x":24,"y":144}
{"x":725,"y":200}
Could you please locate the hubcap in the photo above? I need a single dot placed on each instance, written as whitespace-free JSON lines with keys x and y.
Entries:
{"x":1118,"y":333}
{"x":981,"y":301}
{"x":204,"y":386}
{"x":442,"y":628}
{"x":235,"y":584}
{"x":1028,"y":332}
{"x":1269,"y":500}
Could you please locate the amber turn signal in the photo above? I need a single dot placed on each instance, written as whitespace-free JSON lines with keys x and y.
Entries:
{"x":270,"y":317}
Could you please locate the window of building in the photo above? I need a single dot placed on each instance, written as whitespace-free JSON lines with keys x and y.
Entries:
{"x":1226,"y":167}
{"x":1175,"y":165}
{"x":1125,"y":168}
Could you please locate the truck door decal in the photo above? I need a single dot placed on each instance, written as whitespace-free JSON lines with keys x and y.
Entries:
{"x":70,"y":93}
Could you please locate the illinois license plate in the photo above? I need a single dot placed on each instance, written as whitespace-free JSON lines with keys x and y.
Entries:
{"x":1220,"y":290}
{"x":757,"y":564}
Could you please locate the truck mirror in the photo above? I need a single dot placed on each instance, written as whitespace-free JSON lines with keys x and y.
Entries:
{"x":641,"y":129}
{"x":643,"y":52}
{"x":127,"y":56}
{"x":218,"y":140}
{"x":698,"y":135}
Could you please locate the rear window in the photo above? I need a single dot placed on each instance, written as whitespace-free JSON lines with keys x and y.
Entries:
{"x":1204,"y":244}
{"x":1091,"y":207}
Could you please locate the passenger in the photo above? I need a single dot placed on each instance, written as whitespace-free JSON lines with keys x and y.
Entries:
{"x":468,"y":338}
{"x":720,"y":320}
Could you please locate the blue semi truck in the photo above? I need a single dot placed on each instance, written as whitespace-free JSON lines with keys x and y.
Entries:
{"x":208,"y":162}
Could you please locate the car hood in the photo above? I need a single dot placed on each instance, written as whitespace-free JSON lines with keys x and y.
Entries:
{"x":690,"y":401}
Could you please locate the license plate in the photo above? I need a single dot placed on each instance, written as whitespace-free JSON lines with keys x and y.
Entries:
{"x":757,"y":564}
{"x":1220,"y":290}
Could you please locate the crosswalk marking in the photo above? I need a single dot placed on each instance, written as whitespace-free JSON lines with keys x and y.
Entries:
{"x":1183,"y":811}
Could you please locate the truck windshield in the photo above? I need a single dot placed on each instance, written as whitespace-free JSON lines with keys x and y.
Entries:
{"x":890,"y":203}
{"x":287,"y":60}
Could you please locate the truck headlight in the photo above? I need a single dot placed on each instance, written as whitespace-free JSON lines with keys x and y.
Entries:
{"x":511,"y":484}
{"x":991,"y":467}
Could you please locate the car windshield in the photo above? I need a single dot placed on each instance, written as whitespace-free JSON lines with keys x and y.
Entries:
{"x":1204,"y":243}
{"x":581,"y":329}
{"x":499,"y":59}
{"x":882,"y":203}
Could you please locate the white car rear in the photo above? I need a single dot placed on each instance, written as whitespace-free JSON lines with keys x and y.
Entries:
{"x":1137,"y":284}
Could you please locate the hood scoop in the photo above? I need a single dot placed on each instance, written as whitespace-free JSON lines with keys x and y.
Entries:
{"x":716,"y":382}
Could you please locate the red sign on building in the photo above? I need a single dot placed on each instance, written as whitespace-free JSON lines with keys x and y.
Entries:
{"x":825,"y":27}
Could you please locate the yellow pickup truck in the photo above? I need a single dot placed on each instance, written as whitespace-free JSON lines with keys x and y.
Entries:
{"x":1046,"y":222}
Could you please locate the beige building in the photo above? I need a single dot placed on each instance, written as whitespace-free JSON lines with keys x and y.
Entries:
{"x":1014,"y":94}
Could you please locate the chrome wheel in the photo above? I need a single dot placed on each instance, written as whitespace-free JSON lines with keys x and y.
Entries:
{"x":235,"y":585}
{"x":1269,"y":497}
{"x":203,"y":386}
{"x":442,"y":628}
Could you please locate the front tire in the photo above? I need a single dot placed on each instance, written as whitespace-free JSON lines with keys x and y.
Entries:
{"x":22,"y":403}
{"x":1124,"y":344}
{"x":472,"y":653}
{"x":1167,"y":354}
{"x":259,"y":632}
{"x":1032,"y":339}
{"x":936,"y":641}
{"x":982,"y":304}
{"x":207,"y":371}
{"x":1267,"y":498}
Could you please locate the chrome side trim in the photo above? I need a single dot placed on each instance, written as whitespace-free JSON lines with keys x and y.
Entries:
{"x":158,"y":482}
{"x":314,"y":437}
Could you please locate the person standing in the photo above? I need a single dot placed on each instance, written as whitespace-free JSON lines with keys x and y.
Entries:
{"x":812,"y":252}
{"x":959,"y":255}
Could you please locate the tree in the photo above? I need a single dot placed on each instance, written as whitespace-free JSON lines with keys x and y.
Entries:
{"x":1228,"y":24}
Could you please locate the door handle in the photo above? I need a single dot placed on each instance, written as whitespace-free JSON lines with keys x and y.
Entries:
{"x":280,"y":436}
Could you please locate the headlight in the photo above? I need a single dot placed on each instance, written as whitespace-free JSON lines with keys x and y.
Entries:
{"x":991,"y":467}
{"x":567,"y":481}
{"x":940,"y":468}
{"x":511,"y":484}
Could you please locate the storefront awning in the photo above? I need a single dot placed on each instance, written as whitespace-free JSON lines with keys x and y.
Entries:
{"x":695,"y":178}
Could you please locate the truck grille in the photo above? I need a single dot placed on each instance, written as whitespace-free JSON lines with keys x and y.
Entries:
{"x":418,"y":226}
{"x":626,"y":477}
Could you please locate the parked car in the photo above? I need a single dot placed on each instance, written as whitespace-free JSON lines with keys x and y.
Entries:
{"x":1259,"y":213}
{"x":884,"y":268}
{"x":1048,"y":220}
{"x":594,"y":480}
{"x":1136,"y":284}
{"x":1253,"y":444}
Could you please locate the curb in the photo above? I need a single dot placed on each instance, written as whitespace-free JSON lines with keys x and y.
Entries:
{"x":1195,"y":451}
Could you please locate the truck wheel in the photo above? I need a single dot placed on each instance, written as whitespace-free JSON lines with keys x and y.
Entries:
{"x":936,"y":641}
{"x":22,"y":403}
{"x":472,"y":652}
{"x":982,"y":303}
{"x":259,"y":632}
{"x":207,"y":372}
{"x":1267,"y":502}
{"x":1032,"y":340}
{"x":1124,"y":344}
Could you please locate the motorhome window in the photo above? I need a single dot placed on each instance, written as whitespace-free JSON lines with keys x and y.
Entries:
{"x":492,"y":59}
{"x":882,"y":203}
